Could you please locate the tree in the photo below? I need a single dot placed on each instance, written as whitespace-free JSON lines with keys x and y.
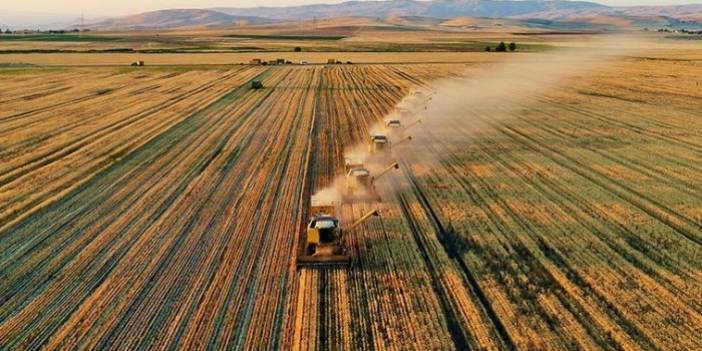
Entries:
{"x":512,"y":46}
{"x":297,"y":49}
{"x":488,"y":49}
{"x":501,"y":47}
{"x":8,"y":31}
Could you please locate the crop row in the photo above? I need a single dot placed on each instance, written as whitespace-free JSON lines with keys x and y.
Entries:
{"x":576,"y":215}
{"x":158,"y":210}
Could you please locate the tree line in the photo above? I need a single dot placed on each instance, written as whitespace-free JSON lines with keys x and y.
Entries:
{"x":502,"y":47}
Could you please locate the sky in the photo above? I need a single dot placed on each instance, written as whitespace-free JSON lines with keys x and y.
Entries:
{"x":122,"y":7}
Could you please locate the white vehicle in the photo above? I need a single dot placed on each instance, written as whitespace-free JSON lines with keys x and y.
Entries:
{"x":393,"y":124}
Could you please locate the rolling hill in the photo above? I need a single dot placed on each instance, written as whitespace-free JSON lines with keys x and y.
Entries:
{"x":433,"y":8}
{"x":619,"y":17}
{"x":555,"y":14}
{"x":177,"y":18}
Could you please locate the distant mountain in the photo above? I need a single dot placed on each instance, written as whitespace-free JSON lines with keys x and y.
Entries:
{"x":636,"y":16}
{"x":540,"y":13}
{"x":682,"y":12}
{"x":396,"y":8}
{"x":176,"y":19}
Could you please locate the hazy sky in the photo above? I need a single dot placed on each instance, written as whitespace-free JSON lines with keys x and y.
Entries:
{"x":120,"y":7}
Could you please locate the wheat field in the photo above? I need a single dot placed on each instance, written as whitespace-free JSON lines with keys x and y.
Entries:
{"x":160,"y":208}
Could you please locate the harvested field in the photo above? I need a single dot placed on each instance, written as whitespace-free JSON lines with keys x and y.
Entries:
{"x":161,"y":209}
{"x":124,"y":59}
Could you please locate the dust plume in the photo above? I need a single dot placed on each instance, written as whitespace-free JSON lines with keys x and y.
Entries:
{"x":330,"y":195}
{"x":489,"y":94}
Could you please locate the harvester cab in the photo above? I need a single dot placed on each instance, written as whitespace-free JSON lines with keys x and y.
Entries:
{"x":358,"y":179}
{"x":393,"y":124}
{"x":378,"y":143}
{"x":323,"y":243}
{"x":351,"y":162}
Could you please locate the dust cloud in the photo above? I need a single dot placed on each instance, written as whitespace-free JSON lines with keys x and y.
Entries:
{"x":486,"y":94}
{"x":454,"y":108}
{"x":330,"y":195}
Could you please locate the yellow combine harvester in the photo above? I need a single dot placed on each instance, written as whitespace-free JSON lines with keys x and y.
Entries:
{"x":358,"y":179}
{"x":380,"y":144}
{"x":393,"y":124}
{"x":323,"y":243}
{"x":360,"y":185}
{"x":395,"y":127}
{"x":351,"y":162}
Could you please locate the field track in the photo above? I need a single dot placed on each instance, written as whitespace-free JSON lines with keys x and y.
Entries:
{"x":180,"y":59}
{"x":160,"y":209}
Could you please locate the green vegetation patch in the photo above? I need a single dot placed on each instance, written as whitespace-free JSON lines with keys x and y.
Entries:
{"x":15,"y":65}
{"x":287,"y":37}
{"x":13,"y":68}
{"x":57,"y":37}
{"x":458,"y":46}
